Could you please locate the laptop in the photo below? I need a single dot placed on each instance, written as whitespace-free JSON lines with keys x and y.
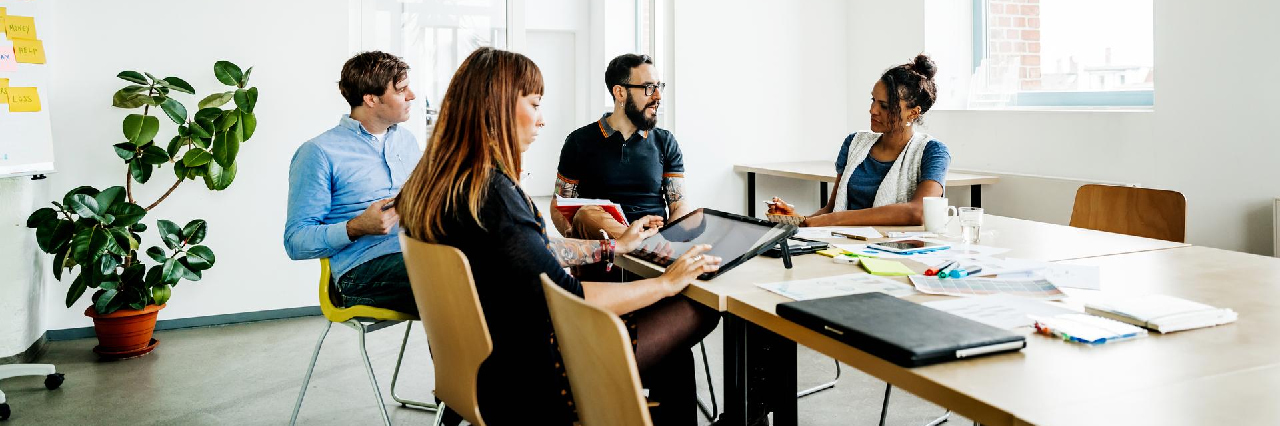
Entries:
{"x":904,"y":333}
{"x":733,"y":238}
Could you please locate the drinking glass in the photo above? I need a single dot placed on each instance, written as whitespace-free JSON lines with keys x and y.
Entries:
{"x":970,"y":224}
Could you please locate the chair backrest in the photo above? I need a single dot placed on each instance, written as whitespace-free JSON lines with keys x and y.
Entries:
{"x":339,"y":314}
{"x":456,"y":330}
{"x":598,"y":359}
{"x":1143,"y":212}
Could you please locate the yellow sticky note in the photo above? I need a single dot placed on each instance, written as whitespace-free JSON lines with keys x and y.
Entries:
{"x":20,"y":27}
{"x":878,"y":266}
{"x":2,"y":15}
{"x":28,"y":51}
{"x":24,"y":99}
{"x":4,"y":90}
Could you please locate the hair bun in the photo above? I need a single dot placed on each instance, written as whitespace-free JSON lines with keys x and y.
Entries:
{"x":924,"y":66}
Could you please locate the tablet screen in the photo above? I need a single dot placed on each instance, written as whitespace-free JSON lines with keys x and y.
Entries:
{"x":733,"y":238}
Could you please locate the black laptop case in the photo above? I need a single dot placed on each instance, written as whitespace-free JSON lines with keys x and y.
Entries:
{"x":898,"y":331}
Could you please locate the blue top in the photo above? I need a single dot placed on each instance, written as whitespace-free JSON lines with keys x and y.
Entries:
{"x":865,"y":180}
{"x":332,"y":179}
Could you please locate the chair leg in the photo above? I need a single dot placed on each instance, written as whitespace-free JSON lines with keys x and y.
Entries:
{"x":884,"y":410}
{"x":293,"y":420}
{"x":711,"y":388}
{"x":440,"y":412}
{"x":821,"y":387}
{"x":368,"y":367}
{"x":395,"y":376}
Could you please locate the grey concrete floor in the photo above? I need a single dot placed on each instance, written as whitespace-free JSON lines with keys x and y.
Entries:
{"x":250,"y":374}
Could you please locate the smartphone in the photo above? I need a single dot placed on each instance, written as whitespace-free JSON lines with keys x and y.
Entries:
{"x":909,"y":246}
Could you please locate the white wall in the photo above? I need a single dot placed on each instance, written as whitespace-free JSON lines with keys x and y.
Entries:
{"x":296,"y":49}
{"x":758,"y":81}
{"x":1202,"y":138}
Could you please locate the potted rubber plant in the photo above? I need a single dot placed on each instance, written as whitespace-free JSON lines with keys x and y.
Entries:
{"x":96,"y":235}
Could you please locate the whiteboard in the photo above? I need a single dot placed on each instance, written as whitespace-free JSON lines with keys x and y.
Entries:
{"x":26,"y":138}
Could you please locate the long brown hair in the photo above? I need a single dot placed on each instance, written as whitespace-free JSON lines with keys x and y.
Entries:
{"x":474,"y":138}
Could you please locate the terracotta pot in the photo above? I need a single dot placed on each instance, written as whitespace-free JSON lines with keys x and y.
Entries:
{"x":125,"y":333}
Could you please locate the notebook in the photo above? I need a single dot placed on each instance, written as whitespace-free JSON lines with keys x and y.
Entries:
{"x":899,"y":331}
{"x":569,"y":207}
{"x":1165,"y":314}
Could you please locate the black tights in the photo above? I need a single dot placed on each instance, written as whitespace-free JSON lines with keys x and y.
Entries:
{"x":666,"y":331}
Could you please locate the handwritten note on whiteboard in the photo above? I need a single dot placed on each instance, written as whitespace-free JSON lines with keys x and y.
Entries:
{"x":24,"y":99}
{"x":28,"y":51}
{"x":20,"y":27}
{"x":4,"y":91}
{"x":8,"y":62}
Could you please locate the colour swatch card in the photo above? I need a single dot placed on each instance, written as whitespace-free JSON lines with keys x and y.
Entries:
{"x":839,"y":285}
{"x":1036,"y":288}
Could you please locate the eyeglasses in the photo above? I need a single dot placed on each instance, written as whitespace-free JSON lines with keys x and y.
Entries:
{"x":648,"y":88}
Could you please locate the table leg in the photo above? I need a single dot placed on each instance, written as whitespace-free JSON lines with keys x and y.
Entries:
{"x":822,"y":195}
{"x":751,"y":194}
{"x":760,"y":374}
{"x":975,"y":195}
{"x":735,"y":369}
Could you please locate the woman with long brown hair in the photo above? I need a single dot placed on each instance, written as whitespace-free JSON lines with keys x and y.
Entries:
{"x":464,"y":193}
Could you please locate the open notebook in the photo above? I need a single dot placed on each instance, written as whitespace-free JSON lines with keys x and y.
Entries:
{"x":1161,"y":313}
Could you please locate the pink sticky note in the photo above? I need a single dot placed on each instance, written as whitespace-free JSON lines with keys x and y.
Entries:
{"x":7,"y":60}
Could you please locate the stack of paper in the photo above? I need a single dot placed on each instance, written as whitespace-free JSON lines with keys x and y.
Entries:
{"x":1165,"y":314}
{"x":569,"y":207}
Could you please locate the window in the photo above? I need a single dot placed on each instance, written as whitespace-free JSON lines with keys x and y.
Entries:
{"x":1062,"y":53}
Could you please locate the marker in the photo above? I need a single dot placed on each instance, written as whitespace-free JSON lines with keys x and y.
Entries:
{"x":961,"y":273}
{"x":934,"y":271}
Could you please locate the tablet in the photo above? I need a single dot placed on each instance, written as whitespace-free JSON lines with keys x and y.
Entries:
{"x":909,"y":246}
{"x":733,"y":238}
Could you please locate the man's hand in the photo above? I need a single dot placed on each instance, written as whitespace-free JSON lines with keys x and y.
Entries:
{"x":374,"y":220}
{"x":642,"y":228}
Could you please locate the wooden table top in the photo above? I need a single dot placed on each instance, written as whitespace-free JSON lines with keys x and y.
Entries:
{"x":1026,"y":239}
{"x":1192,"y":377}
{"x":824,"y":171}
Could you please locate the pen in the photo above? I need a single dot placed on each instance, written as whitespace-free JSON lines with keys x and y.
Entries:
{"x":934,"y":271}
{"x":846,"y":235}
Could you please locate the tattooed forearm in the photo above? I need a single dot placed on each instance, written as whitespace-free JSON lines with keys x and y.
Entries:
{"x":565,"y":187}
{"x":673,"y":188}
{"x":573,"y":252}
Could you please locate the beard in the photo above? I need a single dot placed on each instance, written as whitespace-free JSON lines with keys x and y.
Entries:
{"x":637,"y":117}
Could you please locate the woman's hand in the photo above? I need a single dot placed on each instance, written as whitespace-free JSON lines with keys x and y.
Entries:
{"x":687,"y":268}
{"x":639,"y":230}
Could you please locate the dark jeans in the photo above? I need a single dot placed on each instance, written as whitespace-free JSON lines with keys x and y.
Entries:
{"x":381,"y":282}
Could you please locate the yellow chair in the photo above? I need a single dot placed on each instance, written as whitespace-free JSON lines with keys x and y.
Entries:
{"x":363,"y":319}
{"x":456,"y":329}
{"x":598,"y":359}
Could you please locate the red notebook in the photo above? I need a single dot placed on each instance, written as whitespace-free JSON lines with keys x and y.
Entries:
{"x":569,"y":206}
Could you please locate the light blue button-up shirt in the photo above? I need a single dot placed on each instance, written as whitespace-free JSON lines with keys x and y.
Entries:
{"x":332,"y":179}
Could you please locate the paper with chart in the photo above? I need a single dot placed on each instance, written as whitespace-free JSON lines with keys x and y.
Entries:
{"x":1036,"y":288}
{"x":999,"y":310}
{"x":826,"y":232}
{"x":839,"y":285}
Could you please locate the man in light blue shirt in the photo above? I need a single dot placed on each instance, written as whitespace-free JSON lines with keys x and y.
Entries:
{"x":341,"y":184}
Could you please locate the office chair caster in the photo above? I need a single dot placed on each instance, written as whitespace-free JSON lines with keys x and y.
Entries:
{"x":4,"y":412}
{"x":53,"y":381}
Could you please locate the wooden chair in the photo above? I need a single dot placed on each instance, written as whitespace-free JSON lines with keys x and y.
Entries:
{"x":1142,"y":212}
{"x":598,"y":359}
{"x":456,"y":329}
{"x":363,"y":319}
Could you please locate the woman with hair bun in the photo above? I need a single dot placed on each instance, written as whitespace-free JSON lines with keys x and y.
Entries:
{"x":884,"y":174}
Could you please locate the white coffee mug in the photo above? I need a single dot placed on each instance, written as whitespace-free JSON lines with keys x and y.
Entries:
{"x":937,"y":214}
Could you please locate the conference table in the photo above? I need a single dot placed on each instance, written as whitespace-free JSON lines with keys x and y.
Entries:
{"x":823,"y":172}
{"x":1222,"y":375}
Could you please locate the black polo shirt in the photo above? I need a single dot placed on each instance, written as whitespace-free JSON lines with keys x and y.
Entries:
{"x":628,"y":172}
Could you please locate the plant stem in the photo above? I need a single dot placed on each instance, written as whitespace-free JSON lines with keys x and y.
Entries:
{"x":166,"y":194}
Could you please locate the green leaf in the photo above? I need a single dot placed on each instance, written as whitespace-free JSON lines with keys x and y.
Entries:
{"x":157,"y":254}
{"x":58,"y":260}
{"x":138,"y":227}
{"x":196,"y":157}
{"x":107,"y":264}
{"x":124,"y":241}
{"x":40,"y":216}
{"x":153,"y":154}
{"x":151,"y":77}
{"x":209,"y":114}
{"x":109,"y":197}
{"x":105,"y":300}
{"x":52,"y":237}
{"x":188,"y":273}
{"x":140,"y":171}
{"x":128,"y":100}
{"x":78,"y":286}
{"x":134,"y":88}
{"x":200,"y":258}
{"x":175,"y":145}
{"x":225,"y":148}
{"x":180,"y":170}
{"x":140,"y":129}
{"x":85,"y":206}
{"x":154,"y":276}
{"x":194,"y":232}
{"x":242,"y":100}
{"x":133,"y":77}
{"x":154,"y":100}
{"x":180,"y":85}
{"x":227,"y":119}
{"x":175,"y":110}
{"x":200,"y":131}
{"x":88,"y":244}
{"x":126,"y":150}
{"x":127,"y":214}
{"x":170,"y":233}
{"x":216,"y":100}
{"x":99,"y":243}
{"x":86,"y":190}
{"x":218,"y":178}
{"x":227,"y":73}
{"x":172,"y":272}
{"x":250,"y":123}
{"x":245,"y":81}
{"x":161,"y":294}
